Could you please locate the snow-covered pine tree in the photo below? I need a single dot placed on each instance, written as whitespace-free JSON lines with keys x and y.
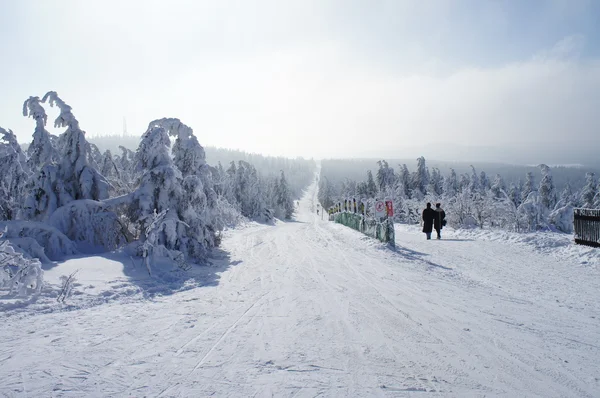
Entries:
{"x":567,"y":197}
{"x":437,"y":182}
{"x":371,"y":186}
{"x":72,"y":178}
{"x":187,"y":226}
{"x":451,"y":187}
{"x":386,"y":178}
{"x":420,"y":179}
{"x":81,"y":180}
{"x":127,"y":169}
{"x":589,"y":191}
{"x":325,"y":193}
{"x":515,"y":193}
{"x":13,"y":175}
{"x":498,"y":187}
{"x":528,"y":187}
{"x":284,"y":199}
{"x":404,"y":180}
{"x":111,"y":172}
{"x":474,"y":183}
{"x":546,"y":190}
{"x":41,"y":151}
{"x":484,"y":182}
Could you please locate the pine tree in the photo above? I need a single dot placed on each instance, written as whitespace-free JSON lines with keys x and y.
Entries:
{"x":284,"y":197}
{"x":589,"y":191}
{"x":474,"y":184}
{"x":528,"y":188}
{"x":371,"y":186}
{"x":73,"y":178}
{"x":498,"y":187}
{"x":484,"y":182}
{"x":325,"y":193}
{"x":546,"y":190}
{"x":451,"y":187}
{"x":420,"y":178}
{"x":41,"y":151}
{"x":404,"y":180}
{"x":567,"y":198}
{"x":13,"y":175}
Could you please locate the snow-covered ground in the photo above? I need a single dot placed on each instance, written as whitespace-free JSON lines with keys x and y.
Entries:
{"x":308,"y":308}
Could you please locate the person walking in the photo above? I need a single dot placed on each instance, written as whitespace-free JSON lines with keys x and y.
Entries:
{"x":439,"y":220}
{"x":428,"y":219}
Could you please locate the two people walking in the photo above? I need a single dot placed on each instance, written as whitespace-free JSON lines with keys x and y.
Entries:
{"x":433,"y":219}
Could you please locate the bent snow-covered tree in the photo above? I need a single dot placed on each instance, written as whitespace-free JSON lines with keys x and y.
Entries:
{"x":72,"y":178}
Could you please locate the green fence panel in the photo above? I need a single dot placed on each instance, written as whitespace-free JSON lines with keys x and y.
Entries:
{"x":382,"y":230}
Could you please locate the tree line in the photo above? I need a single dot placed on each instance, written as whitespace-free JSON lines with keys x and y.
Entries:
{"x":471,"y":199}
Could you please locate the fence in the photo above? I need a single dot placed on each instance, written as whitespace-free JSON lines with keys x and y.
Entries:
{"x":586,"y":224}
{"x":382,"y":230}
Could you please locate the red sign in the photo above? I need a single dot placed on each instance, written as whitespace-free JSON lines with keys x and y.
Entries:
{"x":390,"y":208}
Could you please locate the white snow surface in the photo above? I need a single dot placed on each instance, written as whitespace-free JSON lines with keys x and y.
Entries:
{"x":311,"y":308}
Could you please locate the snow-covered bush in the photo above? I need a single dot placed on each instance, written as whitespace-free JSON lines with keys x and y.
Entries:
{"x":56,"y":244}
{"x":91,"y":225}
{"x":17,"y":273}
{"x":562,"y":219}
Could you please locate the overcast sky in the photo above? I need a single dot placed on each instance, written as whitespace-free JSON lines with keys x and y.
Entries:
{"x":313,"y":77}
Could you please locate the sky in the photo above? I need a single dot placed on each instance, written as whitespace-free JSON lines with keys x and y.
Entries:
{"x":317,"y":78}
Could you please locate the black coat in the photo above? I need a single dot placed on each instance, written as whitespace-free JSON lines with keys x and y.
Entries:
{"x":440,"y":215}
{"x":428,"y":216}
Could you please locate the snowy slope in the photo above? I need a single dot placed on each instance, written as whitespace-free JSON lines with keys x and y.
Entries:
{"x":311,"y":308}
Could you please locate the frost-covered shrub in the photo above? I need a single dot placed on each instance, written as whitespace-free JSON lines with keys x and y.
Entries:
{"x":21,"y":275}
{"x":91,"y":225}
{"x":30,"y":248}
{"x":56,"y":244}
{"x":562,"y":219}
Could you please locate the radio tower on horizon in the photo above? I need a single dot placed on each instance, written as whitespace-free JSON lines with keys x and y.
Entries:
{"x":124,"y":127}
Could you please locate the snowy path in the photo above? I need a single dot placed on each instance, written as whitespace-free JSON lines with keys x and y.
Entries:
{"x":310,"y":308}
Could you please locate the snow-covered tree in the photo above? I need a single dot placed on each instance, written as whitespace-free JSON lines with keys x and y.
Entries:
{"x":180,"y":187}
{"x":589,"y":191}
{"x":73,"y":178}
{"x":284,"y":197}
{"x":386,"y":179}
{"x":534,"y":214}
{"x":13,"y":175}
{"x":567,"y":197}
{"x":528,"y":187}
{"x":474,"y":183}
{"x":420,"y":179}
{"x":41,"y":151}
{"x":498,"y":187}
{"x":451,"y":187}
{"x":325,"y":193}
{"x":546,"y":190}
{"x":484,"y":182}
{"x":110,"y":170}
{"x":404,"y":181}
{"x":371,"y":186}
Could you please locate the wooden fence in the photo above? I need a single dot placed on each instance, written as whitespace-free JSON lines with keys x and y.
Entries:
{"x":586,"y":223}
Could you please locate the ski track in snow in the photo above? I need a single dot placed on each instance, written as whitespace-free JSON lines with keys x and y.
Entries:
{"x":311,"y":308}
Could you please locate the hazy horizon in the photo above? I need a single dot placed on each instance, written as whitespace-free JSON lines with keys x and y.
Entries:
{"x":504,"y":81}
